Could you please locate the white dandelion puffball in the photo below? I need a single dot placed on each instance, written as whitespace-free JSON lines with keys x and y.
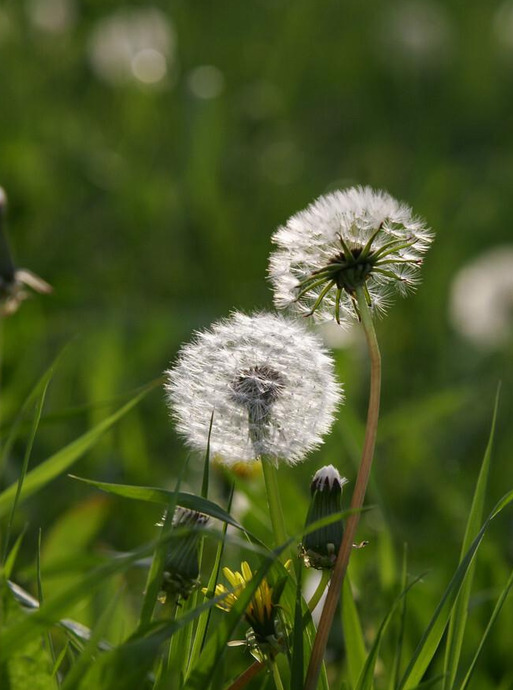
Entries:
{"x":358,"y":237}
{"x":267,"y":381}
{"x":481,"y":299}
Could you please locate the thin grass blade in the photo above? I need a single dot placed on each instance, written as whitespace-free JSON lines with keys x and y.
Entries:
{"x":298,"y":655}
{"x":24,"y":468}
{"x":428,"y":645}
{"x":458,"y":619}
{"x":63,"y":459}
{"x":493,"y":617}
{"x":366,"y":679}
{"x":353,"y":635}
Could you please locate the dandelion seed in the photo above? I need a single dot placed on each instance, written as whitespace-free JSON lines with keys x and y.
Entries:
{"x":269,"y":383}
{"x":356,"y":238}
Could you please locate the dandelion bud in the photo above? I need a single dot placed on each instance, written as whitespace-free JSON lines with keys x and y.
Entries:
{"x":14,"y":280}
{"x":351,"y":239}
{"x":320,"y":548}
{"x":181,"y":569}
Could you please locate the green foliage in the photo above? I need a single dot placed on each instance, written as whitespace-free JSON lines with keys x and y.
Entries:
{"x":149,"y":209}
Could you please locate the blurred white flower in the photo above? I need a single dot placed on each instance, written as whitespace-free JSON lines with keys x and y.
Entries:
{"x":481,"y":299}
{"x":415,"y":33}
{"x":503,"y":25}
{"x":266,"y":379}
{"x":353,"y":238}
{"x":133,"y":45}
{"x":52,"y":16}
{"x":206,"y":82}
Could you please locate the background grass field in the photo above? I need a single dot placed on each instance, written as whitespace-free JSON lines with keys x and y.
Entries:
{"x":149,"y":208}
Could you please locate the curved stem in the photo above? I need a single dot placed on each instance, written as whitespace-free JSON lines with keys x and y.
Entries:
{"x":360,"y":488}
{"x":247,"y":675}
{"x":316,"y":596}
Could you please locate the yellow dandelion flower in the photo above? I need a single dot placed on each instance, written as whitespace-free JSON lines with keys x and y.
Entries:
{"x":261,"y":610}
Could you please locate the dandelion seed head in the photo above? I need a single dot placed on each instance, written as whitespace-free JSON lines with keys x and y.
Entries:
{"x":268,"y":382}
{"x":350,"y":238}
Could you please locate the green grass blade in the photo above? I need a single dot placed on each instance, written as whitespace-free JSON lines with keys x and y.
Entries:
{"x":431,"y":639}
{"x":54,"y":609}
{"x":164,"y":496}
{"x":63,"y":459}
{"x":366,"y":679}
{"x":81,"y":665}
{"x":493,"y":617}
{"x":154,"y":579}
{"x":155,"y":573}
{"x":204,"y":619}
{"x":398,"y":647}
{"x":12,"y":555}
{"x":184,"y":642}
{"x":353,"y":636}
{"x":16,"y":426}
{"x":24,"y":468}
{"x":458,"y":619}
{"x":298,"y":654}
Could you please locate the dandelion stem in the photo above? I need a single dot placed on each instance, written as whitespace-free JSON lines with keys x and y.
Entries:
{"x":362,"y":479}
{"x":276,"y":674}
{"x":274,"y":502}
{"x":316,"y":596}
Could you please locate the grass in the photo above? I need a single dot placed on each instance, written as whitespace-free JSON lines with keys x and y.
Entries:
{"x":155,"y":221}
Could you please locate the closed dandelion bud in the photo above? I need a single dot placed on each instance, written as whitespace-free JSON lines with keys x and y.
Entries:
{"x":320,"y":547}
{"x":181,"y":569}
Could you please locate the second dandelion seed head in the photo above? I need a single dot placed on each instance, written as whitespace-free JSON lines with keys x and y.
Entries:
{"x":350,"y":239}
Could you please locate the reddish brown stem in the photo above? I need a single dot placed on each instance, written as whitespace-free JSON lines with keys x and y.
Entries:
{"x":360,"y":488}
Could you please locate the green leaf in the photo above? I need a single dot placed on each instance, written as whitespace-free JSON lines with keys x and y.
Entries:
{"x":398,"y":647}
{"x":366,"y":679}
{"x":154,"y":579}
{"x":204,"y":619}
{"x":164,"y":496}
{"x":81,"y":665}
{"x":353,"y":636}
{"x":495,"y":613}
{"x":16,"y":425}
{"x":428,"y":645}
{"x":63,"y":459}
{"x":458,"y":620}
{"x":298,"y":656}
{"x":24,"y":468}
{"x":13,"y":554}
{"x":52,"y":610}
{"x":29,"y":664}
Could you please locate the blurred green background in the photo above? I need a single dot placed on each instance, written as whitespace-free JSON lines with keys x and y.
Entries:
{"x":150,"y":150}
